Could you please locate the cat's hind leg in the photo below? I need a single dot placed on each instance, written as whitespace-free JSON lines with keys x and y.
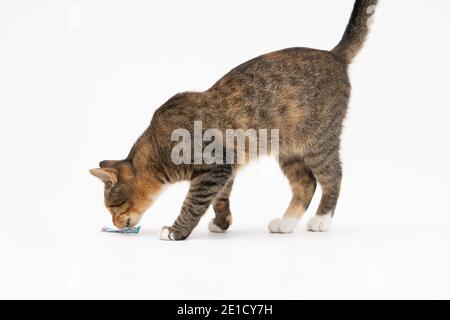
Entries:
{"x":221,"y":205}
{"x":326,"y":166}
{"x":303,"y":184}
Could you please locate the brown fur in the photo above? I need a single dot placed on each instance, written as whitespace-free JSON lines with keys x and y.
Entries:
{"x":302,"y":92}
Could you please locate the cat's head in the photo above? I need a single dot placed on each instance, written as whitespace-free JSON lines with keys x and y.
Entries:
{"x":127,"y":194}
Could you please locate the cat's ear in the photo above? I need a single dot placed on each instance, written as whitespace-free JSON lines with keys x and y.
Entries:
{"x":108,"y":163}
{"x":108,"y":176}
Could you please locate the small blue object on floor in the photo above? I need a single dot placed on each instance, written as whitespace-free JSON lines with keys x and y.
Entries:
{"x":123,"y":230}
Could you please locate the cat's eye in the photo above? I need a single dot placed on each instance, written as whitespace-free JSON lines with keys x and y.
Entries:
{"x":116,"y":205}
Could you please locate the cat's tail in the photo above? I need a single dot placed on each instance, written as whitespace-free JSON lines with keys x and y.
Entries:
{"x":357,"y":30}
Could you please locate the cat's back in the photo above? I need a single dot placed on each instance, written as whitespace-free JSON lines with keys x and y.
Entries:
{"x":293,"y":66}
{"x":294,"y":90}
{"x":292,"y":84}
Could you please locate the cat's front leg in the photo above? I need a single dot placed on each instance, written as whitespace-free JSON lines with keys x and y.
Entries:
{"x":206,"y":182}
{"x":221,"y":204}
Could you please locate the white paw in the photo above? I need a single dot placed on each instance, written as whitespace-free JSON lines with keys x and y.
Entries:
{"x":214,"y":228}
{"x":283,"y":225}
{"x":320,"y":223}
{"x":165,"y":234}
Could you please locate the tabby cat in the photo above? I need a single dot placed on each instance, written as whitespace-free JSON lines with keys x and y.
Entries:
{"x":304,"y":93}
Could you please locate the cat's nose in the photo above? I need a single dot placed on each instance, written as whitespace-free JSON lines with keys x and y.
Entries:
{"x":121,"y":222}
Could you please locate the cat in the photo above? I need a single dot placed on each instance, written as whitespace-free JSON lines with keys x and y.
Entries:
{"x":302,"y":92}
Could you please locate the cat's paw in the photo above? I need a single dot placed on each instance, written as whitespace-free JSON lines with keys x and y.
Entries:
{"x":283,"y":225}
{"x":212,"y":227}
{"x":320,"y":223}
{"x":169,"y":234}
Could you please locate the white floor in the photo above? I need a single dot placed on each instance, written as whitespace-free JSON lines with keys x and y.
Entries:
{"x":365,"y":255}
{"x":349,"y":262}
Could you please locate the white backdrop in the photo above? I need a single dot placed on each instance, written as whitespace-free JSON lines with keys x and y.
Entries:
{"x":79,"y":82}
